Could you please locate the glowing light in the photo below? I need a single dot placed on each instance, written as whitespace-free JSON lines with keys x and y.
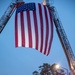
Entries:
{"x":57,"y":66}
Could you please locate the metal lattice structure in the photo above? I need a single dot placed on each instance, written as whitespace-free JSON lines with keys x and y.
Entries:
{"x":8,"y":13}
{"x":63,"y":39}
{"x":59,"y":28}
{"x":62,"y":36}
{"x":6,"y":16}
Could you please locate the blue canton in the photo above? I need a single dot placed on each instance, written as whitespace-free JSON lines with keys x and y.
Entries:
{"x":26,"y":7}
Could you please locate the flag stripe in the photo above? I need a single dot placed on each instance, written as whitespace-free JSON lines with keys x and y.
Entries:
{"x":22,"y":29}
{"x":19,"y":31}
{"x":16,"y":30}
{"x":36,"y":28}
{"x":32,"y":29}
{"x":44,"y":28}
{"x":41,"y":26}
{"x":47,"y":30}
{"x":51,"y":36}
{"x":29,"y":29}
{"x":39,"y":31}
{"x":26,"y":30}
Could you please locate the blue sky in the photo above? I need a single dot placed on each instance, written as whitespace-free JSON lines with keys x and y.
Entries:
{"x":23,"y":61}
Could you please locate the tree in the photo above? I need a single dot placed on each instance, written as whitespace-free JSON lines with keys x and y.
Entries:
{"x":47,"y":69}
{"x":36,"y":73}
{"x":56,"y":71}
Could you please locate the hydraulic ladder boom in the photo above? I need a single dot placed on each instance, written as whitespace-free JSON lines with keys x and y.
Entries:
{"x":64,"y":40}
{"x":62,"y":36}
{"x":8,"y":13}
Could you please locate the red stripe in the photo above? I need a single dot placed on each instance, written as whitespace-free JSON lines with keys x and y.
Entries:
{"x":22,"y":29}
{"x":16,"y":30}
{"x":36,"y":29}
{"x":29,"y":28}
{"x":47,"y":29}
{"x":51,"y":37}
{"x":41,"y":26}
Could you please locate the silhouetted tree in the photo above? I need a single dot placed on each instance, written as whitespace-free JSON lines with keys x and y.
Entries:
{"x":56,"y":71}
{"x":36,"y":73}
{"x":47,"y":69}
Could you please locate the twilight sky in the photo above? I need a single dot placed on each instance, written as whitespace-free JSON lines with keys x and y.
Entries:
{"x":23,"y":61}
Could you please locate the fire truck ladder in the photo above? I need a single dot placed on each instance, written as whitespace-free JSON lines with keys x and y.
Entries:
{"x":62,"y":36}
{"x":8,"y":13}
{"x":63,"y":39}
{"x":59,"y":28}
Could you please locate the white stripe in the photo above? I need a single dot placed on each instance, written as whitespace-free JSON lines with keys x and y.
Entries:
{"x":19,"y":31}
{"x":38,"y":23}
{"x":44,"y":28}
{"x":32,"y":29}
{"x":26,"y":30}
{"x":48,"y":15}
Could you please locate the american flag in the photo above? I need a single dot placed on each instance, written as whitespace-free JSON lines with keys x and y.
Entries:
{"x":34,"y":27}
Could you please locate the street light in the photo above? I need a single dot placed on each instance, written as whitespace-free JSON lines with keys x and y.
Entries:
{"x":57,"y":66}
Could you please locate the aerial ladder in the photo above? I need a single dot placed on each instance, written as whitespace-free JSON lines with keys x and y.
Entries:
{"x":62,"y":36}
{"x":59,"y":28}
{"x":8,"y":13}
